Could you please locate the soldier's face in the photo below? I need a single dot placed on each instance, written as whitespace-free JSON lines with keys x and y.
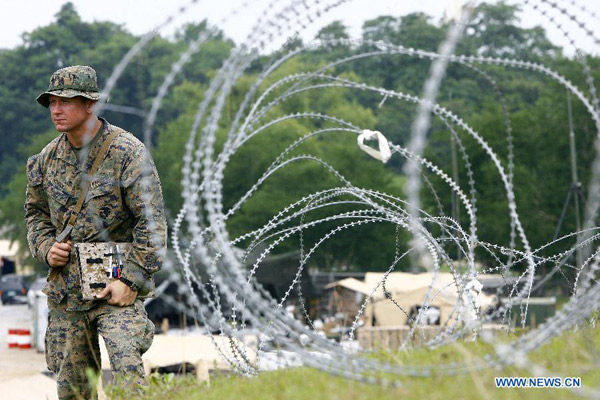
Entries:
{"x":69,"y":115}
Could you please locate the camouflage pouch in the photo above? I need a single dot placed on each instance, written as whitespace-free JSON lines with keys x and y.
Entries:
{"x":99,"y":264}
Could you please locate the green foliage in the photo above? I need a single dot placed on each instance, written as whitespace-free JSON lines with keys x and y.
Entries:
{"x":11,"y":206}
{"x":535,"y":105}
{"x":160,"y":386}
{"x":293,"y":182}
{"x":170,"y":147}
{"x":93,"y":378}
{"x":492,"y":32}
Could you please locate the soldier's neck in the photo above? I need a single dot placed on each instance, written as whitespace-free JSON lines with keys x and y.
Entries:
{"x":83,"y":135}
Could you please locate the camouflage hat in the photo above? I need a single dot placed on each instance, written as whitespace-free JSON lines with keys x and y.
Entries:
{"x":77,"y":80}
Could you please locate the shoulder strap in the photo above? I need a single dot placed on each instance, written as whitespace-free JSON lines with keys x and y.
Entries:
{"x":85,"y":187}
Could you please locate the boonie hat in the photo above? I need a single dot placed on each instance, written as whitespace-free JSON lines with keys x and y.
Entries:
{"x":77,"y":80}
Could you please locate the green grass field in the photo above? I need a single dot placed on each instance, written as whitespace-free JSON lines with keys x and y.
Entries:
{"x":573,"y":354}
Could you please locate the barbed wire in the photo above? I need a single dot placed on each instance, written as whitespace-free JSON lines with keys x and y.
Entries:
{"x":220,"y":271}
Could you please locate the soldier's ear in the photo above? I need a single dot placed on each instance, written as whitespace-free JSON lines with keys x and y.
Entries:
{"x":90,"y":105}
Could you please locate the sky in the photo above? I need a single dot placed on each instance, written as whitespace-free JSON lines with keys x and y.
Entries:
{"x":141,"y":16}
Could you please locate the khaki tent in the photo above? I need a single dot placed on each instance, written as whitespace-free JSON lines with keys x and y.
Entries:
{"x":408,"y":291}
{"x":346,"y":296}
{"x":351,"y":284}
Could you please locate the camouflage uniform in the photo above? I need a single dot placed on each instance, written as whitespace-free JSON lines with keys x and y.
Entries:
{"x":124,"y":204}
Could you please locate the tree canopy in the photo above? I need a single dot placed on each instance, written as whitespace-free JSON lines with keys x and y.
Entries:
{"x":482,"y":95}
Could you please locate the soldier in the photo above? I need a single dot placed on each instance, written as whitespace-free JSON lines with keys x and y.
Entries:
{"x":123,"y":204}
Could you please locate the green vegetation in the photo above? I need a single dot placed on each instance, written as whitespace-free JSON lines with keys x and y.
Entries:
{"x":573,"y":354}
{"x":535,"y":104}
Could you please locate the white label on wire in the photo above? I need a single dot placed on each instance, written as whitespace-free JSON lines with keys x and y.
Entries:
{"x":383,"y":154}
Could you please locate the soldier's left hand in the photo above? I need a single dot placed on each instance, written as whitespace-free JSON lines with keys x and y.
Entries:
{"x":120,"y":294}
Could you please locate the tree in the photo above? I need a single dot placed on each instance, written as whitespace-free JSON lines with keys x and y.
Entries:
{"x":12,"y":214}
{"x":535,"y":105}
{"x":493,"y":32}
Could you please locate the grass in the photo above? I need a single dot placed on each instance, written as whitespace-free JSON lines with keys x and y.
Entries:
{"x":573,"y":354}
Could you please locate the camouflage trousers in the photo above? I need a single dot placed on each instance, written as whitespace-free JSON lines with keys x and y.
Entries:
{"x":72,"y":345}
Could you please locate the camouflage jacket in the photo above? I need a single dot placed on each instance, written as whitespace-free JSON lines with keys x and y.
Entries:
{"x":124,"y":204}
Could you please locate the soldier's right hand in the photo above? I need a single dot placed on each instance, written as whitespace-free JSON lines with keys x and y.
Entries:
{"x":58,"y":255}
